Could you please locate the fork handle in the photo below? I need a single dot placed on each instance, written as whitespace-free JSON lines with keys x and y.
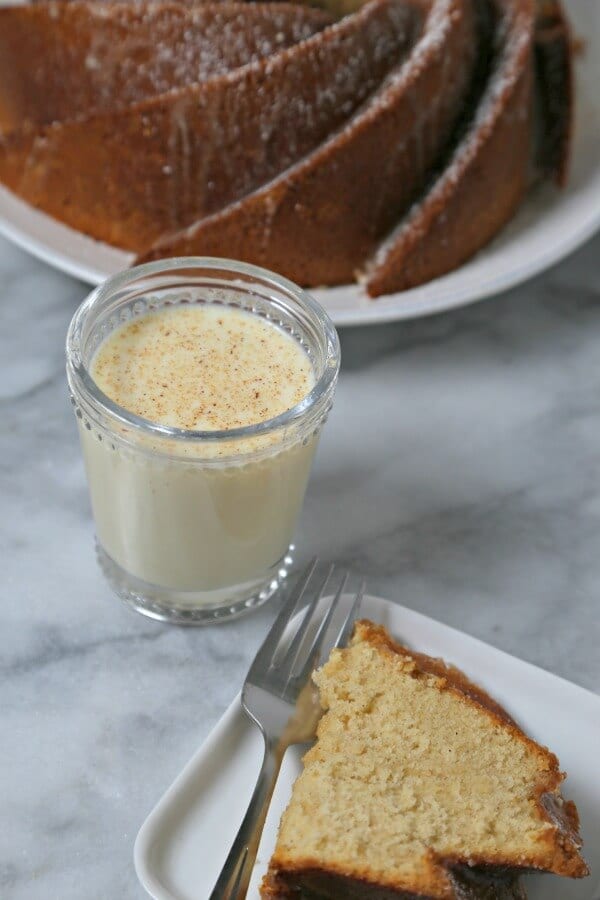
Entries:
{"x":234,"y":879}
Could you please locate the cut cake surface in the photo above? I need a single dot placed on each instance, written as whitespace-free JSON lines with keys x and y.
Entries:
{"x":419,"y":786}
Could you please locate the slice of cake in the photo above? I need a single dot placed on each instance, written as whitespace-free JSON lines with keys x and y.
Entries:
{"x":419,"y":786}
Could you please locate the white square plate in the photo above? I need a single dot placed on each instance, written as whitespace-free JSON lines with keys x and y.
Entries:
{"x":182,"y":844}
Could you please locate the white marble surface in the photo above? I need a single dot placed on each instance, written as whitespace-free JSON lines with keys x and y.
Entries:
{"x":460,"y":472}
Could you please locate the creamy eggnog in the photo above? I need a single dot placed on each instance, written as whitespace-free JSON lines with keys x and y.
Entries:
{"x":203,"y":368}
{"x":201,"y":524}
{"x":200,"y":388}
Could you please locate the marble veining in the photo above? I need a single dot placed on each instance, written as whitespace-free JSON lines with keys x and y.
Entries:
{"x":459,"y":472}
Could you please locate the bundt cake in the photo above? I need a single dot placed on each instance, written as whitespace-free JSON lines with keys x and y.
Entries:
{"x":385,"y":141}
{"x":419,"y":786}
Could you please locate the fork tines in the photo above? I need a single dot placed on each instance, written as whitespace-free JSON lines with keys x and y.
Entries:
{"x":306,"y":630}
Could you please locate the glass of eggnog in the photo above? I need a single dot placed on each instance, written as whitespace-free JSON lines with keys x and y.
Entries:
{"x":200,"y":387}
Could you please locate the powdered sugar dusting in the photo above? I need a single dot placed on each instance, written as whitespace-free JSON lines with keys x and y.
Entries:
{"x":118,"y":54}
{"x":408,"y":68}
{"x":256,"y":109}
{"x":512,"y":44}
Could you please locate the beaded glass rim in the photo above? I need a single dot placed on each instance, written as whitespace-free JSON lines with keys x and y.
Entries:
{"x":325,"y":330}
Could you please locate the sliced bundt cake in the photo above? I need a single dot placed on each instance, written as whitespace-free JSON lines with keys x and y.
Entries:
{"x":419,"y":786}
{"x":387,"y":146}
{"x":130,"y":175}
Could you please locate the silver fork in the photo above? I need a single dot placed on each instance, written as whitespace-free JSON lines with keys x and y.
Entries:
{"x":277,"y":697}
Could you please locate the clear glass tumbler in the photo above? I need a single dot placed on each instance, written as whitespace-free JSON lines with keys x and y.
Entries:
{"x":195,"y":527}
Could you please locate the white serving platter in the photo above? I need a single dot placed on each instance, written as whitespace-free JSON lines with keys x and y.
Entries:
{"x":182,"y":844}
{"x":550,"y":225}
